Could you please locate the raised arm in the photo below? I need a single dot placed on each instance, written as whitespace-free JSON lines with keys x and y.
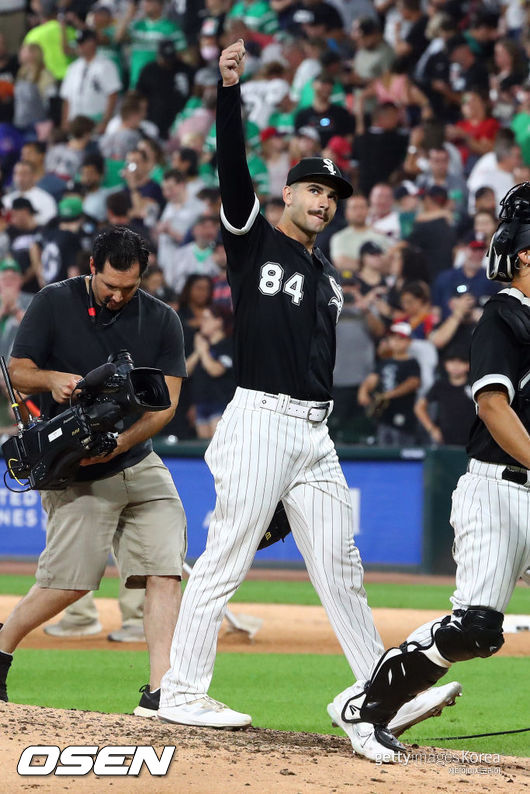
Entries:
{"x":240,"y":204}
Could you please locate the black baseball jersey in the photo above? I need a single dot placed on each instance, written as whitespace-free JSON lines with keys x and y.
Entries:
{"x":286,"y":301}
{"x":500,"y":357}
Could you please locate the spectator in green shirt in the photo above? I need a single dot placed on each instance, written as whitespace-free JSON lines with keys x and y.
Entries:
{"x":145,"y":34}
{"x":521,"y":123}
{"x":256,"y":15}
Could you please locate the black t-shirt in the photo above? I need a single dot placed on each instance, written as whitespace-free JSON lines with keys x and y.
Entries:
{"x":379,"y":153}
{"x":436,"y":238}
{"x":455,"y":411}
{"x":207,"y":389}
{"x":498,"y":357}
{"x":364,"y":287}
{"x":166,"y":90}
{"x":400,"y":411}
{"x":59,"y":250}
{"x":335,"y":120}
{"x":417,"y":40}
{"x":56,"y":333}
{"x":476,"y":77}
{"x":461,"y":339}
{"x":286,"y":301}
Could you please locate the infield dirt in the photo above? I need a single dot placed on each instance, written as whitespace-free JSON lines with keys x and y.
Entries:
{"x":285,"y":629}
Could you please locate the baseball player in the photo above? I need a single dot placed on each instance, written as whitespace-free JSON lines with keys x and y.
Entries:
{"x":491,"y":503}
{"x":272,"y":442}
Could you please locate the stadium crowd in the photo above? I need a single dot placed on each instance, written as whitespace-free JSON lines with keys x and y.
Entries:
{"x":107,"y":117}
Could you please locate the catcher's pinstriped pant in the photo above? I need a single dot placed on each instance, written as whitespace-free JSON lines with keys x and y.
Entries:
{"x":491,"y":519}
{"x":258,"y":457}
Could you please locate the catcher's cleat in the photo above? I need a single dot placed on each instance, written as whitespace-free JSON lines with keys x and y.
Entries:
{"x":206,"y":713}
{"x":149,"y":702}
{"x":374,"y":742}
{"x":427,"y":704}
{"x":5,"y":664}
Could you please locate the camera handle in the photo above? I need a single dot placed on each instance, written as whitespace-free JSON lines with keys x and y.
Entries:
{"x":9,"y":386}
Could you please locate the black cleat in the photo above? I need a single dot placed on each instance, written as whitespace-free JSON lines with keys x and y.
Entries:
{"x":149,"y":702}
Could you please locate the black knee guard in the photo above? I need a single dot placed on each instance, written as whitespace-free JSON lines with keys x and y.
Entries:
{"x":477,"y":632}
{"x":400,"y":675}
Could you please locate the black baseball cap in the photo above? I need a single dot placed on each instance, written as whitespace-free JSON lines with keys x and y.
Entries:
{"x":438,"y":194}
{"x":22,"y":203}
{"x":321,"y":169}
{"x":370,"y":247}
{"x":87,"y":34}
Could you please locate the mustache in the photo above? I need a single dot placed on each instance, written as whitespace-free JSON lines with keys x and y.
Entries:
{"x":323,"y":214}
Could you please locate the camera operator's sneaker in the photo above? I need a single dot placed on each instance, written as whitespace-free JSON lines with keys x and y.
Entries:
{"x":374,"y":742}
{"x":127,"y":633}
{"x":149,"y":702}
{"x":204,"y":712}
{"x":68,"y":629}
{"x":427,"y":704}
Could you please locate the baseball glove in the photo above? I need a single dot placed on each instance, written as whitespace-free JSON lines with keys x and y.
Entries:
{"x":278,"y":528}
{"x":378,"y":406}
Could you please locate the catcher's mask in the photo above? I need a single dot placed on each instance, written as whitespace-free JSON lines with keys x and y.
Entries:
{"x":512,"y":234}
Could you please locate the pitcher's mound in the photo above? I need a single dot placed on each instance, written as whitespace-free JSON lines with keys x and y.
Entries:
{"x":209,"y":761}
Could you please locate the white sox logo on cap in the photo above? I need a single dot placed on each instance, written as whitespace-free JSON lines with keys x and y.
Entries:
{"x":323,"y":170}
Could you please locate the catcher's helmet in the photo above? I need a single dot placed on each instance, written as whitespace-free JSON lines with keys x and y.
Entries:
{"x":512,"y":234}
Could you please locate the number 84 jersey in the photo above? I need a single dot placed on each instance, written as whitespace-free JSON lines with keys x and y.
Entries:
{"x":286,"y":304}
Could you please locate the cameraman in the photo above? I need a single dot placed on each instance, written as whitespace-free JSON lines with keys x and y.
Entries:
{"x":126,"y":499}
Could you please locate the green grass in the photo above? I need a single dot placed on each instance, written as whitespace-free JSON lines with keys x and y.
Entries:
{"x":281,"y":691}
{"x":379,"y":595}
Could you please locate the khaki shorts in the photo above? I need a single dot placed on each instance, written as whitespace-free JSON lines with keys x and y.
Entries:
{"x":137,"y":513}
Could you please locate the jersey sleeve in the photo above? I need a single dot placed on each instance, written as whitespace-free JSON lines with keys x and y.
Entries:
{"x":495,"y":356}
{"x":34,"y":338}
{"x":240,"y":205}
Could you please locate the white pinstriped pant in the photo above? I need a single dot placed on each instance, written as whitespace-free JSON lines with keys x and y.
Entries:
{"x":491,"y":519}
{"x":258,"y":457}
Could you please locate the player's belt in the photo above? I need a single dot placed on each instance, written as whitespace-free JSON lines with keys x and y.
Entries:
{"x":515,"y":474}
{"x":283,"y":404}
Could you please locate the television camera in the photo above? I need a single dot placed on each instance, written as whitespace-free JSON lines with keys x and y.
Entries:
{"x":46,"y":452}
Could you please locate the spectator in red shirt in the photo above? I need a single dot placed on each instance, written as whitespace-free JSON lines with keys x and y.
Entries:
{"x":474,"y":135}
